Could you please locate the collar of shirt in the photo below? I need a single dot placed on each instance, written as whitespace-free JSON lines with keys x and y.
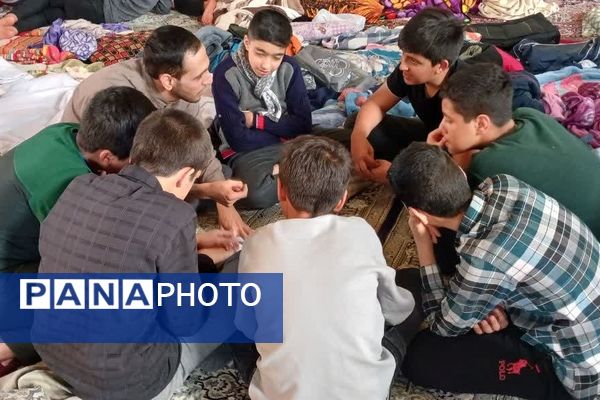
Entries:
{"x":139,"y":174}
{"x":475,"y":210}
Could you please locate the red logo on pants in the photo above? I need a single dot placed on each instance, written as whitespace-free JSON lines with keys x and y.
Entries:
{"x":515,"y":368}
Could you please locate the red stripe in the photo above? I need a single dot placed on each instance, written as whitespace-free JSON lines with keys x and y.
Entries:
{"x":260,"y":122}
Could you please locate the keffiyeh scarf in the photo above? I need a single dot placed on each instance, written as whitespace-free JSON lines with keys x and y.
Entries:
{"x":262,"y":86}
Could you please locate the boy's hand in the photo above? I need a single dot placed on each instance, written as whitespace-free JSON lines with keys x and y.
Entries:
{"x":419,"y":230}
{"x":229,"y":191}
{"x":423,"y":235}
{"x":217,"y":238}
{"x":379,"y":173}
{"x":494,"y":322}
{"x":249,"y":118}
{"x":363,"y":155}
{"x":436,"y":137}
{"x":230,"y":220}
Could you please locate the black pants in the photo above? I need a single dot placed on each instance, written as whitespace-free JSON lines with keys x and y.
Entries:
{"x":255,"y":168}
{"x":393,"y":134}
{"x":498,"y":363}
{"x":193,"y":8}
{"x":33,"y":14}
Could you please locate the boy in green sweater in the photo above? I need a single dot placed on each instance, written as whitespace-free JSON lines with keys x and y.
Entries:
{"x":483,"y":134}
{"x":36,"y":172}
{"x":486,"y":138}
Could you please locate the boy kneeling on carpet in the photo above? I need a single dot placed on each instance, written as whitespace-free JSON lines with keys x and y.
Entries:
{"x":140,"y":215}
{"x":338,"y":290}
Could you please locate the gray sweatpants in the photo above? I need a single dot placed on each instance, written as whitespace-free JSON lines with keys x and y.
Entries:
{"x":255,"y":168}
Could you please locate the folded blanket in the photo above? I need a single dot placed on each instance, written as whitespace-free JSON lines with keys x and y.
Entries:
{"x":360,"y":40}
{"x":513,"y":9}
{"x":538,"y":57}
{"x":215,"y":40}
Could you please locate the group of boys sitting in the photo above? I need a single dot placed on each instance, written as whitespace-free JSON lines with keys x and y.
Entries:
{"x":503,"y":207}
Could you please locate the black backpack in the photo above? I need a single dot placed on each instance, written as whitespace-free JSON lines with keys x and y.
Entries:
{"x":506,"y":34}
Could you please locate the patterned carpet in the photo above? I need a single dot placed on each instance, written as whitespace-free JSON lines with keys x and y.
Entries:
{"x":151,"y":21}
{"x":376,"y":205}
{"x":225,"y":385}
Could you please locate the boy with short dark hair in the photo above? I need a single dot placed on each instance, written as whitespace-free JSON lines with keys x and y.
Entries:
{"x":480,"y":128}
{"x":145,"y":204}
{"x":521,"y":251}
{"x":261,"y":100}
{"x":337,"y":296}
{"x":37,"y":171}
{"x":430,"y":44}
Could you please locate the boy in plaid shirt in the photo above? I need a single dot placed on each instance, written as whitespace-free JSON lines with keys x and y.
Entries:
{"x":523,"y":257}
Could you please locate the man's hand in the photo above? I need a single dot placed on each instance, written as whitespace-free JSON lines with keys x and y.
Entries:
{"x":249,"y":119}
{"x":494,"y":322}
{"x":230,"y":220}
{"x":228,"y":192}
{"x":218,"y":238}
{"x":363,"y":155}
{"x":379,"y":173}
{"x":436,"y":137}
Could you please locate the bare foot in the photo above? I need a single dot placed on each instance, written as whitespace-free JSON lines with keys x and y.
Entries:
{"x":8,"y":20}
{"x":6,"y":32}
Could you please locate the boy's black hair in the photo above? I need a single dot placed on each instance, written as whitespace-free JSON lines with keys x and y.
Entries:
{"x":315,"y":172}
{"x":480,"y":89}
{"x":111,"y":120}
{"x":166,"y":48}
{"x":271,"y":26}
{"x":433,"y":33}
{"x":426,"y":178}
{"x":169,"y":140}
